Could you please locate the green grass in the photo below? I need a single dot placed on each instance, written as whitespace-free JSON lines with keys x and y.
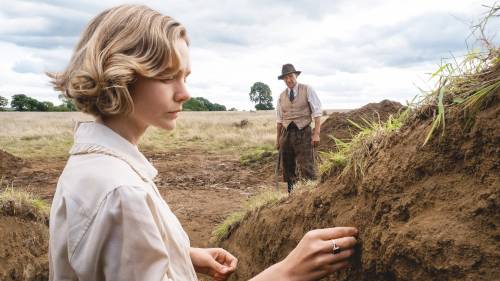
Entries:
{"x":222,"y":230}
{"x":258,"y":155}
{"x":267,"y":197}
{"x":23,"y":204}
{"x":467,"y":82}
{"x":475,"y":100}
{"x":37,"y":146}
{"x":330,"y":160}
{"x":352,"y":156}
{"x":439,"y":119}
{"x":335,"y":158}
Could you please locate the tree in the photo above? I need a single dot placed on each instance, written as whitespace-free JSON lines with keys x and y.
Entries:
{"x":194,"y":105}
{"x":202,"y":104}
{"x":260,"y":94}
{"x":47,"y":106}
{"x":22,"y":102}
{"x":3,"y":103}
{"x":67,"y":104}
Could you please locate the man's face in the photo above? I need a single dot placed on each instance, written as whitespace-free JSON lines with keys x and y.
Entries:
{"x":290,"y":80}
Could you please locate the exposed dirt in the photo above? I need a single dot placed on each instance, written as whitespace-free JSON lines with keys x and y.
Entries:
{"x":23,"y":250}
{"x":201,"y":188}
{"x":337,"y":124}
{"x":424,"y":213}
{"x":9,"y":164}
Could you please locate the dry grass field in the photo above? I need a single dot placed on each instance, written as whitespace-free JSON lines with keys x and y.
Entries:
{"x":42,"y":135}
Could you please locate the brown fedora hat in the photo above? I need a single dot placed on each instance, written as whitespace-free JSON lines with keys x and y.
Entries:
{"x":286,"y":69}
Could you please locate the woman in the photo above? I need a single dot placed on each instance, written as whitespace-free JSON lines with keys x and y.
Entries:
{"x":108,"y":221}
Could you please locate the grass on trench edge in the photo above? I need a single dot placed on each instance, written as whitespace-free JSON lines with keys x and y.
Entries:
{"x":466,"y":85}
{"x":22,"y":204}
{"x":353,"y":155}
{"x":267,"y":197}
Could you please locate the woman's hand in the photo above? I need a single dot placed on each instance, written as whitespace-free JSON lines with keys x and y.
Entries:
{"x":215,"y":262}
{"x":314,"y":256}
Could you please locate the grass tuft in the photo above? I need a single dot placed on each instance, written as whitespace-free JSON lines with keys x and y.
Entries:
{"x":258,"y":155}
{"x":222,"y":230}
{"x":439,"y":119}
{"x":24,"y":205}
{"x":353,"y":156}
{"x":266,"y":197}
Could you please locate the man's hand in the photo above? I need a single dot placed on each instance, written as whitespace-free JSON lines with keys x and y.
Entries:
{"x":315,"y":139}
{"x":215,"y":262}
{"x":279,"y":132}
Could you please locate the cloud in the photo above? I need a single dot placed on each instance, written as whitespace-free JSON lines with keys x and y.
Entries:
{"x":41,"y":25}
{"x":28,"y":66}
{"x":351,"y":52}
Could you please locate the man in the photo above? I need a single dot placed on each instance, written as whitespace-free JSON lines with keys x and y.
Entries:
{"x":297,"y":106}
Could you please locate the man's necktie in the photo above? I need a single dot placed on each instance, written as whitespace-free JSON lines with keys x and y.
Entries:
{"x":291,"y":96}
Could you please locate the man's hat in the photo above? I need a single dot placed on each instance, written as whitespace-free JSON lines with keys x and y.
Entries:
{"x":286,"y":69}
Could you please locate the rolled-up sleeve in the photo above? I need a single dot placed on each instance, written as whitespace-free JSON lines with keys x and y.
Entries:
{"x":279,"y":114}
{"x":124,"y":241}
{"x":314,"y":102}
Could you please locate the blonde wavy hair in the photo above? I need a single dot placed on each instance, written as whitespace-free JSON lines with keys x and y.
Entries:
{"x":118,"y":45}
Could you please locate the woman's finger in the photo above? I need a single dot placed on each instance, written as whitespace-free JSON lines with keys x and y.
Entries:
{"x":344,"y":243}
{"x":330,"y":258}
{"x":333,"y":233}
{"x":336,"y":266}
{"x":329,"y":269}
{"x":229,"y":260}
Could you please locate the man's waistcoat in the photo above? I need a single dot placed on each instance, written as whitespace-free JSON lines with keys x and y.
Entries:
{"x":297,"y":110}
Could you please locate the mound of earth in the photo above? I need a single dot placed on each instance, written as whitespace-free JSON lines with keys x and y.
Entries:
{"x":337,"y":124}
{"x":424,"y":212}
{"x":9,"y":164}
{"x":23,"y":251}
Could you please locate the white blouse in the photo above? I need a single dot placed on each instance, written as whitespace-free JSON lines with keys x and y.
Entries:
{"x":108,"y":220}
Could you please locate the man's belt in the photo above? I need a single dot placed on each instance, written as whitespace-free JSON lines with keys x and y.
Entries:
{"x":292,"y":126}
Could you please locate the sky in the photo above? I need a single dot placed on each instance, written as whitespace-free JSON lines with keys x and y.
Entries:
{"x":351,"y":52}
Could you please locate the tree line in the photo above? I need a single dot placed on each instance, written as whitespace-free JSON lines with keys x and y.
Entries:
{"x":260,"y":94}
{"x":22,"y":102}
{"x":202,"y":104}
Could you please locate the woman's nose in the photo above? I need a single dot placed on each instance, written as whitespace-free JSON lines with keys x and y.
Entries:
{"x":182,"y":94}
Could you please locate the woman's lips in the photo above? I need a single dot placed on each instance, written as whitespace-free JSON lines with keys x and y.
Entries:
{"x":173,"y":113}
